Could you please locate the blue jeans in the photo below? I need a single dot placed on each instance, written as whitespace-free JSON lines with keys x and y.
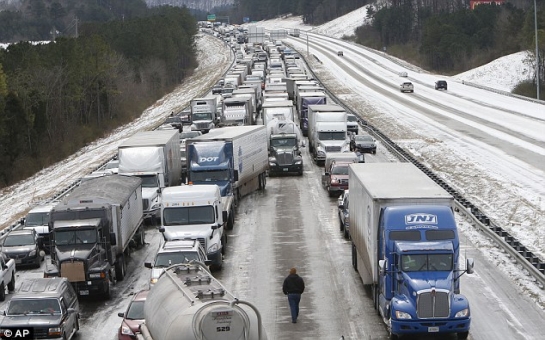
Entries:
{"x":294,"y":299}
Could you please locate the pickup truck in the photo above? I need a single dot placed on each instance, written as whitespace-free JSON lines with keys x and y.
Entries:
{"x":7,"y":275}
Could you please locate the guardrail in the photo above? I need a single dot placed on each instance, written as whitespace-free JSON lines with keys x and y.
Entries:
{"x":534,"y":266}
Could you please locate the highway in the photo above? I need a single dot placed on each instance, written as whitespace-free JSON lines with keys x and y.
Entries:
{"x":293,"y":223}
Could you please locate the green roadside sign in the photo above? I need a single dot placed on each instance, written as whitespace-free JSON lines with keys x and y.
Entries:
{"x":211,"y":17}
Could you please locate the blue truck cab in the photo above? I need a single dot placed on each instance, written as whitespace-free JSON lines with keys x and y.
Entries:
{"x":212,"y":163}
{"x":419,"y":279}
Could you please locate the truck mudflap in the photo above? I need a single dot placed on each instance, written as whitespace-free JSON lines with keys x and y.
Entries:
{"x":431,"y":326}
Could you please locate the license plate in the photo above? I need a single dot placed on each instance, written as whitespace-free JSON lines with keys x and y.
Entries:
{"x":83,"y":292}
{"x":18,"y":261}
{"x":433,"y":329}
{"x":285,"y":169}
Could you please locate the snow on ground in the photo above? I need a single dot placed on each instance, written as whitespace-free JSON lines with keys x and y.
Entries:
{"x":17,"y":199}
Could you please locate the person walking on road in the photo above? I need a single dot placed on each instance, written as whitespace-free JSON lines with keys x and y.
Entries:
{"x":293,"y":287}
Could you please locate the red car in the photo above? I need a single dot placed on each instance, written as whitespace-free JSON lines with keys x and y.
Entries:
{"x":133,"y":317}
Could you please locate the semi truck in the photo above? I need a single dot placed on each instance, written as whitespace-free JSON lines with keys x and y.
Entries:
{"x":327,"y":131}
{"x":191,"y":212}
{"x":203,"y":113}
{"x":236,"y":112}
{"x":155,"y":157}
{"x":303,"y":101}
{"x":284,"y":138}
{"x":188,"y":303}
{"x":91,"y":231}
{"x":234,"y":158}
{"x":282,"y":109}
{"x":405,"y":246}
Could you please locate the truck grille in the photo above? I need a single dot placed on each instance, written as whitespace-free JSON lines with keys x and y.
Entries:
{"x":433,"y":304}
{"x":284,"y":158}
{"x":41,"y":333}
{"x":73,"y":271}
{"x":202,"y":242}
{"x":332,"y":149}
{"x":202,"y":125}
{"x":145,"y":204}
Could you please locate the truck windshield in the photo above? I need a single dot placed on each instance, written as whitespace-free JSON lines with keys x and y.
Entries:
{"x":168,"y":259}
{"x":34,"y":306}
{"x":188,"y":215}
{"x":210,"y":176}
{"x":202,"y":116}
{"x":80,"y":236}
{"x":332,"y":135}
{"x":286,"y":142}
{"x":34,"y":219}
{"x":149,"y":181}
{"x":426,"y":262}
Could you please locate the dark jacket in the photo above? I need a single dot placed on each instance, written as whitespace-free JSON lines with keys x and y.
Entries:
{"x":293,"y":284}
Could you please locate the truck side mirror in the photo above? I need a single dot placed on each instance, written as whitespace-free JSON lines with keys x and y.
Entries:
{"x":236,"y":175}
{"x":469,"y":266}
{"x":161,"y":230}
{"x":158,"y":190}
{"x":382,"y":266}
{"x":113,"y":240}
{"x":327,"y":174}
{"x":148,"y":265}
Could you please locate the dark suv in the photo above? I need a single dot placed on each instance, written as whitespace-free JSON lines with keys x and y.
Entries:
{"x":24,"y":247}
{"x":441,"y":84}
{"x":48,"y":308}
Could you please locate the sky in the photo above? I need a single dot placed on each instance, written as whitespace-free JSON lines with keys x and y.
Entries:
{"x":508,"y":190}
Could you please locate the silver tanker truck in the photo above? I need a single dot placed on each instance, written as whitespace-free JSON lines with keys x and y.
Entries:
{"x":188,"y":303}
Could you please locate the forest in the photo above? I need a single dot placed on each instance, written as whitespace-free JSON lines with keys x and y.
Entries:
{"x":57,"y":97}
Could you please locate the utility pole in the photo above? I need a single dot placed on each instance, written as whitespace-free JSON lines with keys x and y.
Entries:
{"x":76,"y":27}
{"x":537,"y":50}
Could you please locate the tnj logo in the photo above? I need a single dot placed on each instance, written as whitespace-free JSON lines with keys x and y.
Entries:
{"x":420,"y":218}
{"x":207,"y":159}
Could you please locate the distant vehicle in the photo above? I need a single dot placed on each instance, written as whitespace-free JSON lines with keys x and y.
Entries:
{"x":363,"y":143}
{"x":189,"y":134}
{"x":217,"y":89}
{"x":340,"y":53}
{"x":406,"y":87}
{"x":441,"y":84}
{"x":344,"y":214}
{"x":24,"y":247}
{"x":133,"y":317}
{"x":176,"y":122}
{"x":403,"y":74}
{"x":112,"y":166}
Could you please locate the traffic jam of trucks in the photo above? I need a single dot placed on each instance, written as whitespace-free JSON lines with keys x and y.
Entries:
{"x":400,"y":224}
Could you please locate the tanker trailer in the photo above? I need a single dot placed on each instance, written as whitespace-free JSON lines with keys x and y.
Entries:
{"x":188,"y":303}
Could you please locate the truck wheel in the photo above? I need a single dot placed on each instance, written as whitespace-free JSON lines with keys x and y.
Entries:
{"x":391,"y":335}
{"x":231,"y":220}
{"x":11,"y":284}
{"x":107,"y":294}
{"x":264,"y":180}
{"x":345,"y":234}
{"x":120,"y":268}
{"x":354,"y":257}
{"x":2,"y":292}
